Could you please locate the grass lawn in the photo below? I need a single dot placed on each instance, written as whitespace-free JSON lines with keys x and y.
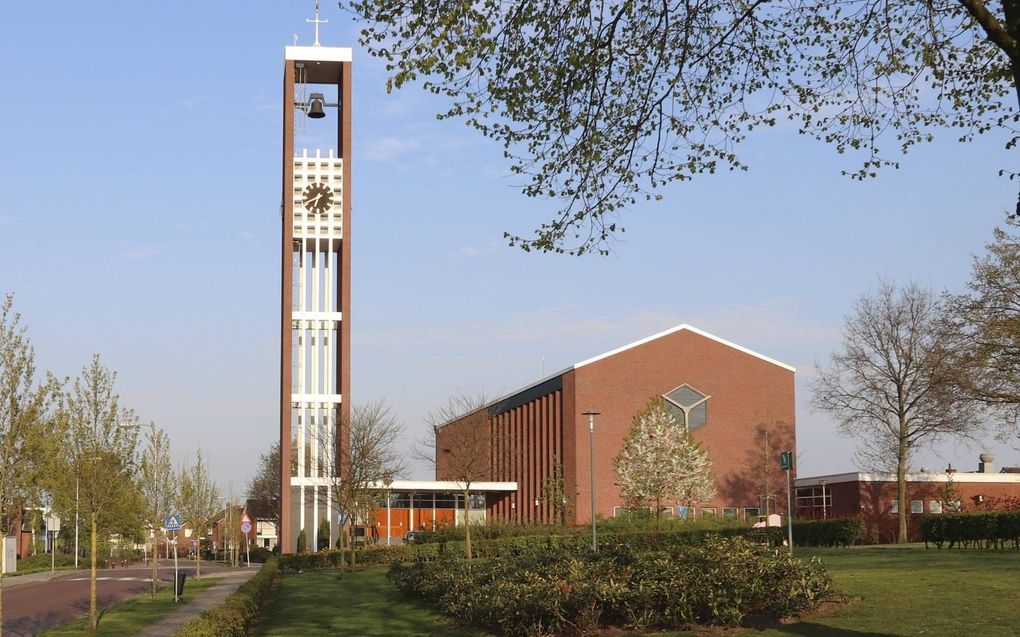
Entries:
{"x":362,"y":602}
{"x":897,"y":590}
{"x":913,"y":591}
{"x":131,"y":616}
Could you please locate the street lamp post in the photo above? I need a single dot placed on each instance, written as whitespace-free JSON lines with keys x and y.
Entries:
{"x":825,"y":509}
{"x":591,"y":472}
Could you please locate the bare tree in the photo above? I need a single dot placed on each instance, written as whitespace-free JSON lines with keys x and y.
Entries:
{"x":458,"y":444}
{"x":102,"y":451}
{"x":199,"y":502}
{"x":23,"y":421}
{"x":357,"y":466}
{"x":894,"y":384}
{"x":159,"y":490}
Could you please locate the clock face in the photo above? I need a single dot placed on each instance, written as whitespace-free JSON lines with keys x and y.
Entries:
{"x":317,"y":197}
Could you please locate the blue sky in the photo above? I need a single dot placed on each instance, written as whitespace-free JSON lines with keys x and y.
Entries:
{"x":140,"y":219}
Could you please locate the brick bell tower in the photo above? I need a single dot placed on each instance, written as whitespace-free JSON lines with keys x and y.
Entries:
{"x":315,"y":327}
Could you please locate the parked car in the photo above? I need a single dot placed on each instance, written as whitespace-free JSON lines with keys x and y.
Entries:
{"x":414,"y":537}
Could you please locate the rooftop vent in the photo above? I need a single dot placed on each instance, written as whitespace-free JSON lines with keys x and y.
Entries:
{"x":987,"y":464}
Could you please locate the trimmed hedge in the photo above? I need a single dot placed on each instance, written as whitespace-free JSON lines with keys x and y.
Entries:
{"x":524,"y":546}
{"x":992,"y":529}
{"x":720,"y":581}
{"x":235,"y":616}
{"x":837,"y":532}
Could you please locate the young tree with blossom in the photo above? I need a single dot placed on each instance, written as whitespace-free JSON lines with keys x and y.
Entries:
{"x":662,"y":463}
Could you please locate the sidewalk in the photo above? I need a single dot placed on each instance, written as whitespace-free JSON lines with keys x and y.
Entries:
{"x":10,"y":581}
{"x":211,"y":598}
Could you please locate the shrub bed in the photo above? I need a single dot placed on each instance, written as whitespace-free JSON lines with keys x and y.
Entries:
{"x":235,"y":616}
{"x":719,"y":581}
{"x":837,"y":532}
{"x":524,"y":545}
{"x":992,"y":529}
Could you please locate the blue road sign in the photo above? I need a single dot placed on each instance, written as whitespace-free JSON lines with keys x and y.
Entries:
{"x":173,"y":522}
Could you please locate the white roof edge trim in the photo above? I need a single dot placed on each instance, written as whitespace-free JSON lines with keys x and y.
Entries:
{"x":510,"y":395}
{"x":861,"y":476}
{"x":678,"y":328}
{"x":443,"y":485}
{"x":318,"y":53}
{"x":690,"y":328}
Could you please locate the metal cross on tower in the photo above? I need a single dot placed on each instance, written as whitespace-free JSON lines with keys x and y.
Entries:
{"x":316,"y":22}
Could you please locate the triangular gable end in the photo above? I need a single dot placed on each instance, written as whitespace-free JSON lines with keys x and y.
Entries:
{"x":689,"y":328}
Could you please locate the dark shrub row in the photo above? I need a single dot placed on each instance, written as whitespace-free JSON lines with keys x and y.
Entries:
{"x":719,"y":581}
{"x":634,"y":540}
{"x":524,"y":546}
{"x":838,"y":532}
{"x":234,"y":617}
{"x":993,"y":529}
{"x":373,"y":556}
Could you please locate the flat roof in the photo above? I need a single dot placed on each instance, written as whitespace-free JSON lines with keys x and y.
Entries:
{"x":318,"y":53}
{"x":444,"y":485}
{"x":959,"y":477}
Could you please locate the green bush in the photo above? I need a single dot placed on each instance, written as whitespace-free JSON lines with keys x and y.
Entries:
{"x":529,"y":545}
{"x":991,"y":529}
{"x":235,"y":616}
{"x":259,"y":554}
{"x":41,"y":562}
{"x":836,"y":532}
{"x":370,"y":556}
{"x":719,"y":581}
{"x":302,"y":542}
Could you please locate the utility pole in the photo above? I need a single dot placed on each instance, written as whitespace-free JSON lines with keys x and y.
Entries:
{"x":591,"y":472}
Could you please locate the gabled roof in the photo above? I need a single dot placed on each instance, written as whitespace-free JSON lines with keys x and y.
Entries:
{"x":680,"y":328}
{"x":624,"y":348}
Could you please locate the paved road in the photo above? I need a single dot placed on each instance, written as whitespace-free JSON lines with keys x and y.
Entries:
{"x":30,"y":606}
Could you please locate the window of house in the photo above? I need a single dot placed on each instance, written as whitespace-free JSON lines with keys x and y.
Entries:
{"x":954,"y":506}
{"x":895,"y":508}
{"x":688,"y":406}
{"x":666,"y":512}
{"x":620,"y":512}
{"x":684,"y":512}
{"x":750,"y":513}
{"x":815,"y":501}
{"x":934,"y":506}
{"x":730,"y":513}
{"x":917,"y":506}
{"x":708,"y":512}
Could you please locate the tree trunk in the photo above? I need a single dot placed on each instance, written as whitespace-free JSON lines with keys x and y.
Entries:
{"x":198,"y":560}
{"x":351,"y":531}
{"x":155,"y":564}
{"x":93,"y":607}
{"x":467,"y":523}
{"x":901,"y":489}
{"x":2,"y":536}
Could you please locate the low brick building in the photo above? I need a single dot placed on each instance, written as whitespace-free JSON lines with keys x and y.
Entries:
{"x":873,"y":495}
{"x":738,"y":404}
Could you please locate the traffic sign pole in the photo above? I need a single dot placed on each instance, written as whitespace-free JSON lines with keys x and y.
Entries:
{"x":245,"y":530}
{"x":786,"y":461}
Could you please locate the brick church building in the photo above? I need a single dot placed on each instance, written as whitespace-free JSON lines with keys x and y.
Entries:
{"x":738,"y":404}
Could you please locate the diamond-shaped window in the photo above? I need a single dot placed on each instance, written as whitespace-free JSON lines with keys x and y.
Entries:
{"x":688,"y":406}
